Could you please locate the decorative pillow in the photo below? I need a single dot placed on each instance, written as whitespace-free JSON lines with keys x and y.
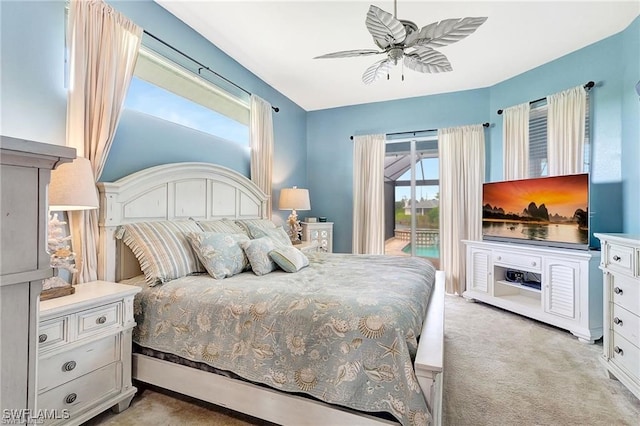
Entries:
{"x":162,"y":249}
{"x":257,"y":252}
{"x":220,"y":253}
{"x":290,"y":259}
{"x":223,"y":225}
{"x":255,"y":223}
{"x":278,"y":235}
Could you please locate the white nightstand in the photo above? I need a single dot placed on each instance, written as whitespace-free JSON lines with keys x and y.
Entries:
{"x":321,"y":232}
{"x":84,"y":352}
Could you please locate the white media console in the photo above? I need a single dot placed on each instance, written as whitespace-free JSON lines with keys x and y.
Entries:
{"x":570,"y":294}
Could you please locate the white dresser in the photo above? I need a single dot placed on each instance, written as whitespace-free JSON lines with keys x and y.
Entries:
{"x":84,"y":352}
{"x":620,"y":265}
{"x":25,"y":171}
{"x":320,"y":232}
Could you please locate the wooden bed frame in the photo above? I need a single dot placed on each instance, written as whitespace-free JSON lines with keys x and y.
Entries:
{"x":205,"y":192}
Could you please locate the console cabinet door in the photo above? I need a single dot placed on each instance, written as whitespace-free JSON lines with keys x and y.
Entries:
{"x":479,"y":269}
{"x":560,"y":290}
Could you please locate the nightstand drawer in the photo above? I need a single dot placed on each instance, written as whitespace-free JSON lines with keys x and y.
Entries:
{"x":52,"y":332}
{"x":96,"y":320}
{"x":619,"y":257}
{"x":66,"y":366}
{"x":87,"y":389}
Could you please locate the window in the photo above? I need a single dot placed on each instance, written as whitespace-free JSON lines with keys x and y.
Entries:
{"x":168,"y":91}
{"x":538,"y":139}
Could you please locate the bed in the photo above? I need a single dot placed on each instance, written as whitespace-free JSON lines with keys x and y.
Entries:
{"x":381,"y":359}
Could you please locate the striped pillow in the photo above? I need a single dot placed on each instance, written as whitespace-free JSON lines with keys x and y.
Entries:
{"x":290,"y":259}
{"x":162,"y":249}
{"x":224,"y":226}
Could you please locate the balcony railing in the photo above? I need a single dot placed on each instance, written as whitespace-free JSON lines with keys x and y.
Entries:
{"x":424,"y":237}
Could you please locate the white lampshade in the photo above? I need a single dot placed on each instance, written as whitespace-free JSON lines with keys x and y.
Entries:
{"x":73,"y":187}
{"x":294,"y":199}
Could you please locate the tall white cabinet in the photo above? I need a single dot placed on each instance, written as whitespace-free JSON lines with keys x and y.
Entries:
{"x":569,"y":295}
{"x":25,"y":171}
{"x":620,"y":266}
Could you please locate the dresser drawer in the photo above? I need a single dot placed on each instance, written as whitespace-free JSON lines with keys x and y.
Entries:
{"x":625,"y":292}
{"x":52,"y":332}
{"x":626,"y":324}
{"x":66,"y":366}
{"x":628,"y":355}
{"x":619,"y":257}
{"x":96,"y":320}
{"x":88,"y":389}
{"x":514,"y":260}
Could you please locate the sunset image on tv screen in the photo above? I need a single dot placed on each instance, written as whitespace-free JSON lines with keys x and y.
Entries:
{"x":553,"y":209}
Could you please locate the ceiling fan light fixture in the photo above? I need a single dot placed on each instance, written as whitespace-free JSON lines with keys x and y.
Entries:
{"x":401,"y":40}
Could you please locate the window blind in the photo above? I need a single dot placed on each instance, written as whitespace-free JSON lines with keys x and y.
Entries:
{"x":538,"y":139}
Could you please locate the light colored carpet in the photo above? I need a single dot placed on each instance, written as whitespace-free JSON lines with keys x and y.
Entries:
{"x":500,"y":370}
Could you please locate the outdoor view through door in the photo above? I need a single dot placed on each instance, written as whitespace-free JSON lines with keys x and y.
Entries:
{"x":424,"y":241}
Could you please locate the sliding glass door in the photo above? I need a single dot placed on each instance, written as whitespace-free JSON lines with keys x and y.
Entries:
{"x":412,"y":192}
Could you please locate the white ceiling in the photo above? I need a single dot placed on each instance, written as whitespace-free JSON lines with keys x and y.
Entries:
{"x":278,"y":40}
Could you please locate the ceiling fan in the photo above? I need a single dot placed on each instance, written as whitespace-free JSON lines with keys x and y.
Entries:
{"x":401,"y":40}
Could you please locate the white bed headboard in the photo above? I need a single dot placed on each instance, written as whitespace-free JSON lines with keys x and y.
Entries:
{"x":200,"y":191}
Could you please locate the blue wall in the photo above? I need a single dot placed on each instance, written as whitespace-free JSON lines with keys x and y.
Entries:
{"x":615,"y":177}
{"x":181,"y":144}
{"x":631,"y":127}
{"x":313,"y":148}
{"x":330,"y":151}
{"x":33,"y":96}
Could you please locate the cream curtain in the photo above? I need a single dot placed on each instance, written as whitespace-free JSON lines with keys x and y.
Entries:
{"x":565,"y":131}
{"x":462,"y":171}
{"x":104,"y":46}
{"x":515,"y":137}
{"x":368,"y":194}
{"x":261,"y":136}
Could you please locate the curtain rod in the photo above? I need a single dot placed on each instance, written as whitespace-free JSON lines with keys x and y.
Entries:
{"x":587,"y":87}
{"x":413,"y":132}
{"x":202,"y":66}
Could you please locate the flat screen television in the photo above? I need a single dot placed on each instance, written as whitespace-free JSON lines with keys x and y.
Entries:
{"x":551,"y":211}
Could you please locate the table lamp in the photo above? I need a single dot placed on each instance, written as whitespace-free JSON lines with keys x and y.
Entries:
{"x":294,"y":199}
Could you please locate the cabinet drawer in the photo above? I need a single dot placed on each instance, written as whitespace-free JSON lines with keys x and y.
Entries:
{"x":626,"y":324}
{"x":628,"y":357}
{"x":516,"y":260}
{"x":66,"y":366}
{"x":85,"y":390}
{"x":52,"y":332}
{"x":619,"y":258}
{"x":625,"y":292}
{"x":96,"y":320}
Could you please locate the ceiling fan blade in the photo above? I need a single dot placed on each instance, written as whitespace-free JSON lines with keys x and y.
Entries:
{"x":376,"y":71}
{"x":427,"y":60}
{"x":385,"y":29}
{"x":349,"y":54}
{"x":445,"y":32}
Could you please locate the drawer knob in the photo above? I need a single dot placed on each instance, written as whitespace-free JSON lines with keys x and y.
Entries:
{"x":617,"y":290}
{"x":617,"y":258}
{"x":499,"y":257}
{"x":617,"y":321}
{"x":533,"y":263}
{"x":617,"y":350}
{"x":101,"y":320}
{"x":69,"y":399}
{"x":42,"y":338}
{"x":68,"y":366}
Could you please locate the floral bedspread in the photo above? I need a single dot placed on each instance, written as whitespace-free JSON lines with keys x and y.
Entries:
{"x":343,"y":330}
